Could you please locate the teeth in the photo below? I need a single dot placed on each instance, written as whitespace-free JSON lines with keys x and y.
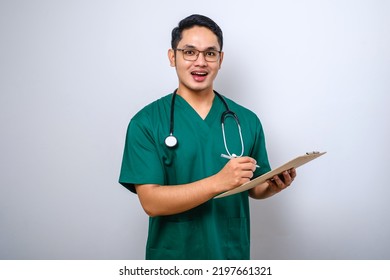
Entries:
{"x":199,"y":73}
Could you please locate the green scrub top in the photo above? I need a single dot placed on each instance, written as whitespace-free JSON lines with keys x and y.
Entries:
{"x":219,"y":228}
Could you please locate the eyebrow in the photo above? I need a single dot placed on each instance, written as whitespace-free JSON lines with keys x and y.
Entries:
{"x":212,"y":48}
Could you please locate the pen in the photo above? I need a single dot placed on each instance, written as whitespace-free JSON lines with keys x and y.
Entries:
{"x":229,"y":157}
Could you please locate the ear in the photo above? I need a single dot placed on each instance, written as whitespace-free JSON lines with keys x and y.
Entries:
{"x":172,"y":58}
{"x":221,"y":59}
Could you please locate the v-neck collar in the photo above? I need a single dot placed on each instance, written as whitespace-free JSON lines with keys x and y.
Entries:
{"x":213,"y":114}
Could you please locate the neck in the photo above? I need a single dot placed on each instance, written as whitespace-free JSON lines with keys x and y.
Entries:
{"x":200,"y":101}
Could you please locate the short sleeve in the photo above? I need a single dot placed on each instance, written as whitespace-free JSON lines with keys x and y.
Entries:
{"x":140,"y":163}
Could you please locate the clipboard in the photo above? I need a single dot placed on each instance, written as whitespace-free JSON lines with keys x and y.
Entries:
{"x":294,"y":163}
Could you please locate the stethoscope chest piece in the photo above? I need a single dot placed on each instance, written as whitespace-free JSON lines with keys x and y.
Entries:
{"x":171,"y":141}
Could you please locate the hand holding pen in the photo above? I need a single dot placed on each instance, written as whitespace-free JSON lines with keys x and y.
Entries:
{"x":237,"y":171}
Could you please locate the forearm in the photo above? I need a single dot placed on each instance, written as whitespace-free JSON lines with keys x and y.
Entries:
{"x":168,"y":200}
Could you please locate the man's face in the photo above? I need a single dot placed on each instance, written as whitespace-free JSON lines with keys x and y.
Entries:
{"x":196,"y":75}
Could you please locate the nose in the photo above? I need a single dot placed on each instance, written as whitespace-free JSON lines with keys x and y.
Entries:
{"x":200,"y":60}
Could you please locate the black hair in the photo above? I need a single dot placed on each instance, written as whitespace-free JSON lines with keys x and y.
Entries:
{"x":195,"y":20}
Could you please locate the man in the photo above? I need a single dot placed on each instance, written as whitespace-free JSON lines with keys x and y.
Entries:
{"x":176,"y":182}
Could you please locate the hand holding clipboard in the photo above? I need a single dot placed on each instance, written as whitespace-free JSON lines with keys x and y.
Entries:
{"x":294,"y":163}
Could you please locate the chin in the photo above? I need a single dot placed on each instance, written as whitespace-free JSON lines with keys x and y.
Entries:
{"x":199,"y":88}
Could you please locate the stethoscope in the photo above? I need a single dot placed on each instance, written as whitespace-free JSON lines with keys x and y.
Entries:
{"x":171,"y":141}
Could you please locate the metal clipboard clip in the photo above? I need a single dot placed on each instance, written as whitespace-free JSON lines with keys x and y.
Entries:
{"x":312,"y":153}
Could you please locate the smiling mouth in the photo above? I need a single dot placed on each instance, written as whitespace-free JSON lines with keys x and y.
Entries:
{"x":202,"y":74}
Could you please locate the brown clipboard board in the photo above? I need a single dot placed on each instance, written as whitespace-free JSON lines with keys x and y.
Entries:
{"x":294,"y":163}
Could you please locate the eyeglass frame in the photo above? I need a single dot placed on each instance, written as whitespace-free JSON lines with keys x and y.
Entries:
{"x":198,"y":52}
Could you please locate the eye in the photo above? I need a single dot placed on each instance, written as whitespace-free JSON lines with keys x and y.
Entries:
{"x":211,"y":53}
{"x":189,"y":52}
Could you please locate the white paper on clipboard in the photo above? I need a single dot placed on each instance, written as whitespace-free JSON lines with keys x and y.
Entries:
{"x":294,"y":163}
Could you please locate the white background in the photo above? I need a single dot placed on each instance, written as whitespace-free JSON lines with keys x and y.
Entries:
{"x":73,"y":73}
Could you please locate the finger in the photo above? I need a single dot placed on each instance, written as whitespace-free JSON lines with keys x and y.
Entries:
{"x":278,"y":182}
{"x":293,"y":173}
{"x":273,"y":187}
{"x":248,"y":166}
{"x":245,"y":163}
{"x":240,"y":167}
{"x":247,"y":174}
{"x":287,"y":178}
{"x":246,"y":160}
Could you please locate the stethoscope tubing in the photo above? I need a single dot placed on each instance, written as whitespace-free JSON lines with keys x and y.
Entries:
{"x":171,"y":140}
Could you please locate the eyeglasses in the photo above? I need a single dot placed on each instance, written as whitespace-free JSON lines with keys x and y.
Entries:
{"x":193,"y":54}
